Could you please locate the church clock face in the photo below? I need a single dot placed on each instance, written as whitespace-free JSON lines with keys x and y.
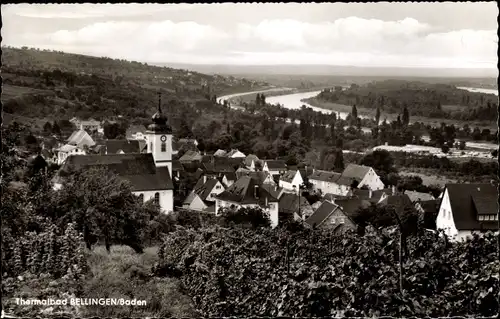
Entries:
{"x":163,"y":138}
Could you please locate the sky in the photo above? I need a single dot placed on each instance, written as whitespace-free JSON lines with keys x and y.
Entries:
{"x":436,"y":35}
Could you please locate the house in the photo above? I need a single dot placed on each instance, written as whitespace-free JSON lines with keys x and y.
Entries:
{"x":468,"y":208}
{"x":185,"y":144}
{"x":191,"y":156}
{"x":89,"y":125}
{"x":246,"y":192}
{"x":274,"y":190}
{"x":150,"y":174}
{"x":80,"y":139}
{"x":294,"y":206}
{"x":67,"y":150}
{"x":217,"y":168}
{"x":122,"y":146}
{"x":274,"y":167}
{"x":262,"y":177}
{"x":147,"y":180}
{"x":136,"y":132}
{"x":291,"y":180}
{"x":202,"y":197}
{"x":429,"y":209}
{"x":400,"y":202}
{"x":235,"y":154}
{"x":250,"y":161}
{"x":418,"y":196}
{"x":220,"y":153}
{"x":363,"y":176}
{"x":330,"y":216}
{"x":330,"y":182}
{"x":374,"y":197}
{"x":228,"y":179}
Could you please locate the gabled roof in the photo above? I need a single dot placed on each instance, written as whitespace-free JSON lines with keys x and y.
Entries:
{"x":260,"y":177}
{"x":400,"y":202}
{"x":218,"y":167}
{"x":233,"y":152}
{"x":333,"y":197}
{"x":190,"y":156}
{"x":428,"y":206}
{"x":324,"y":176}
{"x":275,"y":164}
{"x":220,"y":153}
{"x":138,"y":169}
{"x":251,"y":157}
{"x":204,"y":189}
{"x":376,"y":194}
{"x":242,"y":172}
{"x":80,"y":138}
{"x":274,"y":190}
{"x":418,"y":196}
{"x":243,"y":191}
{"x":127,"y":146}
{"x":321,"y":214}
{"x":350,"y":206}
{"x":467,"y":201}
{"x":288,"y":176}
{"x":230,"y":176}
{"x":355,"y":171}
{"x":289,"y":203}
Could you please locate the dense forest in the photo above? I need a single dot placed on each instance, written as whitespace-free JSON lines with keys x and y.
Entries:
{"x":422,"y":99}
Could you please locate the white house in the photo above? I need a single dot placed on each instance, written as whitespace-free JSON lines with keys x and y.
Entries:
{"x":274,"y":167}
{"x":364,"y":176}
{"x":246,"y":192}
{"x":291,"y":181}
{"x":150,"y":174}
{"x":203,"y":195}
{"x":67,"y":150}
{"x":330,"y":182}
{"x":468,"y":208}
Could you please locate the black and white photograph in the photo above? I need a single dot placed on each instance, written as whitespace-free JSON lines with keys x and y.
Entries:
{"x":312,"y":160}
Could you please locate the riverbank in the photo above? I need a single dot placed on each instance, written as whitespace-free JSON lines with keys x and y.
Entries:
{"x":366,"y":112}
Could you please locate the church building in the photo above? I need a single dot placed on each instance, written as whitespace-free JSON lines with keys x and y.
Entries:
{"x":150,"y":174}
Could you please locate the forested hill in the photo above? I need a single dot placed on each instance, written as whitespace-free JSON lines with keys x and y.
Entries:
{"x":423,"y":99}
{"x":44,"y":84}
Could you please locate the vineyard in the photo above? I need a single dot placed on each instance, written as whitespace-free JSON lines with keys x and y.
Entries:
{"x":241,"y":272}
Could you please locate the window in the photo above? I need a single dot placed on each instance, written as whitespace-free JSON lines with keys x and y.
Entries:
{"x":163,"y":147}
{"x":157,"y":198}
{"x":481,"y":217}
{"x":217,"y":187}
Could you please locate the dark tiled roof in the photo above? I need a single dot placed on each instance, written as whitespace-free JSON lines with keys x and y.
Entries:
{"x":324,"y":176}
{"x":288,"y":176}
{"x":400,"y":202}
{"x":274,"y":190}
{"x":218,"y":167}
{"x":289,"y":203}
{"x":333,"y":197}
{"x":322,"y":213}
{"x":376,"y":195}
{"x":429,"y":206}
{"x":243,"y":192}
{"x":275,"y":164}
{"x":139,"y":169}
{"x":463,"y":200}
{"x":355,"y":171}
{"x":418,"y":196}
{"x":220,"y":153}
{"x":230,"y":176}
{"x":351,"y":206}
{"x":177,"y":166}
{"x":127,"y":146}
{"x":191,"y":156}
{"x":259,"y":177}
{"x":204,"y":189}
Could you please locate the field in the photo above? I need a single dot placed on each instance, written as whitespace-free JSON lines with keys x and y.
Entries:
{"x":12,"y":91}
{"x":428,"y":176}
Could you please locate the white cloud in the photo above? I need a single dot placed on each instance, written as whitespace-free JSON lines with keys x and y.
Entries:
{"x":345,"y":41}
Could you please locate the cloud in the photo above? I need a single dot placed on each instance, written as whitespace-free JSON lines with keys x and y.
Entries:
{"x":344,"y":41}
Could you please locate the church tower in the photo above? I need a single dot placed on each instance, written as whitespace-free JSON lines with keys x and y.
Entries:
{"x":159,"y":139}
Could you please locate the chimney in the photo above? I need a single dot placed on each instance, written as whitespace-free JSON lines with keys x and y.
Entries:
{"x":256,"y":191}
{"x":393,"y":190}
{"x":370,"y":193}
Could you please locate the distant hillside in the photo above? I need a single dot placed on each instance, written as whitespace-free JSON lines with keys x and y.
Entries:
{"x":336,"y":70}
{"x":49,"y":84}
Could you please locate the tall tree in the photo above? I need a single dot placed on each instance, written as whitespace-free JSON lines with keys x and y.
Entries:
{"x":377,"y":116}
{"x":354,"y":112}
{"x":406,"y":116}
{"x":339,"y":160}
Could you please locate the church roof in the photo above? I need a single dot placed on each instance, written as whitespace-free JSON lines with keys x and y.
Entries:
{"x":159,"y":119}
{"x":138,"y":169}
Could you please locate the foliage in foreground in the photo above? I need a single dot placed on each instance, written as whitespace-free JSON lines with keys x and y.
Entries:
{"x":236,"y":272}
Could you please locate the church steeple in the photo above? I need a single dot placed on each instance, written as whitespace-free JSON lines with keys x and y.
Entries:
{"x":160,"y":124}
